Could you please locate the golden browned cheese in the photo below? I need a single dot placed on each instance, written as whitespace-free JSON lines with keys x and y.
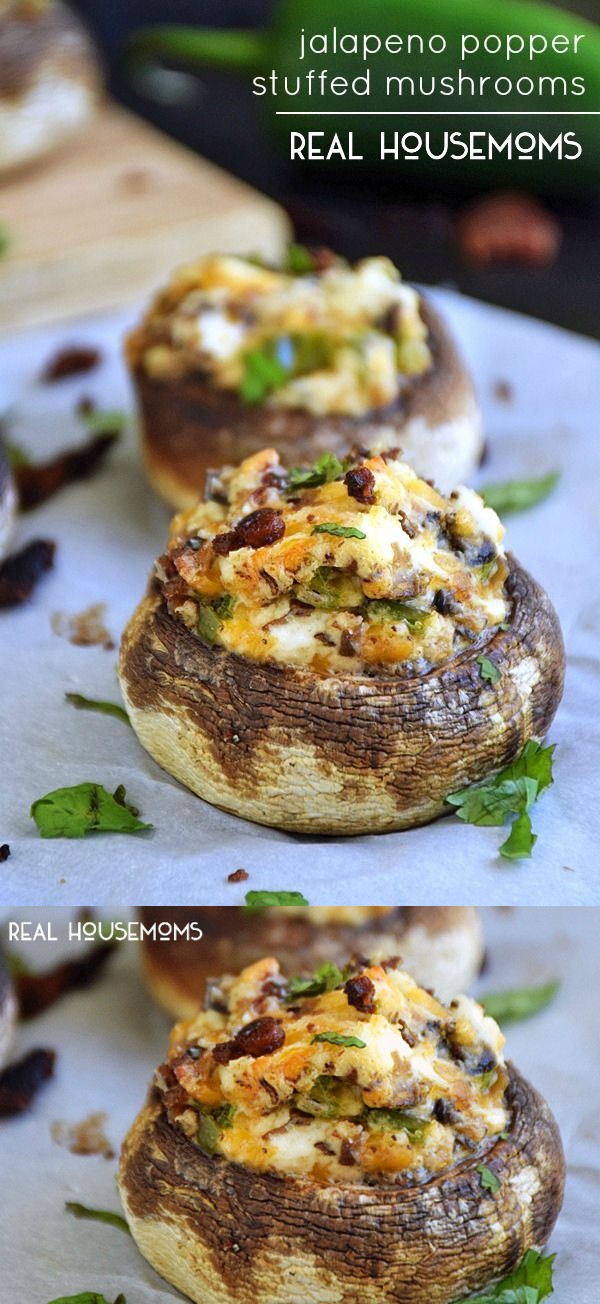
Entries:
{"x":372,"y":569}
{"x":353,"y":1077}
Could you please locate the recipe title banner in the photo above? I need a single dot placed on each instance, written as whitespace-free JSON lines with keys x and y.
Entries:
{"x":525,"y":93}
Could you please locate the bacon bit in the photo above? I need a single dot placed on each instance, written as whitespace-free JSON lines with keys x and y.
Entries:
{"x":84,"y":628}
{"x":85,"y":1138}
{"x":360,"y":992}
{"x":35,"y":484}
{"x":322,"y":257}
{"x":20,"y":572}
{"x":360,"y":483}
{"x":320,"y":636}
{"x":324,"y":1148}
{"x":20,"y":1082}
{"x":257,"y":530}
{"x":261,"y":1037}
{"x":38,"y":991}
{"x":407,"y":525}
{"x":347,"y":644}
{"x":70,"y":361}
{"x":4,"y":852}
{"x":509,"y":228}
{"x":347,"y":1156}
{"x":238,"y":876}
{"x":407,"y":1035}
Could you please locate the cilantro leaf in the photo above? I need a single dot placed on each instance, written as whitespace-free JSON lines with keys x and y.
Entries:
{"x":87,"y":1297}
{"x":488,"y":1179}
{"x":97,"y":1215}
{"x":512,"y":791}
{"x":519,"y":1002}
{"x":261,"y":900}
{"x":298,"y":260}
{"x":488,"y":669}
{"x":529,"y":1284}
{"x":264,"y":372}
{"x":517,"y":495}
{"x":326,"y":468}
{"x":341,"y":531}
{"x":326,"y":979}
{"x":85,"y":808}
{"x":91,"y":704}
{"x":224,"y":605}
{"x":338,"y":1039}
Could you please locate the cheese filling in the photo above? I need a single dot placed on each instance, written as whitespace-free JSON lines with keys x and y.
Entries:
{"x":346,"y":1077}
{"x":326,"y":337}
{"x":337,"y":569}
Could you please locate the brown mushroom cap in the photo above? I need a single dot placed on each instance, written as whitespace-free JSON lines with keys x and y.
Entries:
{"x":190,"y":426}
{"x":323,"y":754}
{"x":225,"y":1234}
{"x":440,"y":946}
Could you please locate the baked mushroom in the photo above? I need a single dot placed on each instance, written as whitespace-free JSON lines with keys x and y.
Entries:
{"x":49,"y":78}
{"x":8,"y":1010}
{"x":364,"y":1143}
{"x":8,"y":500}
{"x":442,"y":947}
{"x":336,"y":650}
{"x":316,"y":355}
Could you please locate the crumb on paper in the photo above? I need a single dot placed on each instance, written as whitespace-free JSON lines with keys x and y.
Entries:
{"x":84,"y":628}
{"x":85,"y":1138}
{"x":238,"y":876}
{"x":4,"y":852}
{"x":503,"y":391}
{"x":70,"y":360}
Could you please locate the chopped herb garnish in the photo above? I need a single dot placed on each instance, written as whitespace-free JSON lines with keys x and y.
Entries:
{"x":208,"y":623}
{"x":338,"y":1039}
{"x":326,"y":979}
{"x":87,"y":1297}
{"x":484,"y":1080}
{"x":264,"y":372}
{"x":262,"y":900}
{"x":91,"y":704}
{"x":298,"y":260}
{"x":487,"y":570}
{"x":321,"y":590}
{"x":529,"y":1284}
{"x":396,"y":1120}
{"x":517,"y":495}
{"x":388,"y":610}
{"x":341,"y":531}
{"x":85,"y":808}
{"x":223,"y":606}
{"x":488,"y":669}
{"x":208,"y":1134}
{"x":519,"y":1002}
{"x":512,"y":791}
{"x":224,"y":1115}
{"x":488,"y":1179}
{"x":98,"y":420}
{"x":97,"y":1215}
{"x":326,"y":469}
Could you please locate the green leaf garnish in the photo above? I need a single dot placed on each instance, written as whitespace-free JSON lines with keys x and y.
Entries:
{"x":224,"y":1115}
{"x":388,"y":610}
{"x":99,"y":420}
{"x":208,"y":1134}
{"x":517,"y":495}
{"x":396,"y":1120}
{"x":484,"y":1080}
{"x":529,"y":1284}
{"x":488,"y":1179}
{"x":91,"y":704}
{"x":341,"y":531}
{"x":298,"y":260}
{"x":487,"y":570}
{"x":510,"y":792}
{"x":262,"y":900}
{"x":223,"y":606}
{"x":338,"y":1039}
{"x":264,"y":372}
{"x":97,"y":1215}
{"x":487,"y":669}
{"x":87,"y":1297}
{"x":85,"y":808}
{"x":519,"y":1002}
{"x":208,"y":623}
{"x":326,"y":979}
{"x":326,"y":469}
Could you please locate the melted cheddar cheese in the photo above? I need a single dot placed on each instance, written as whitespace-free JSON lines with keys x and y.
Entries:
{"x":317,"y":577}
{"x":331,"y":338}
{"x":373,"y":1080}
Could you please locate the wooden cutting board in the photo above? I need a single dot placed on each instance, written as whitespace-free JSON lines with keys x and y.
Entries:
{"x":104,"y":221}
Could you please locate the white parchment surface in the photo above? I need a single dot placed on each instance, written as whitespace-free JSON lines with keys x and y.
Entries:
{"x":108,"y":532}
{"x":109,"y":1039}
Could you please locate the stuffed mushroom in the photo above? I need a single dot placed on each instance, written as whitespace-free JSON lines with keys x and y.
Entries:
{"x":338,"y":649}
{"x":344,"y":1138}
{"x":312,"y":356}
{"x":440,"y":946}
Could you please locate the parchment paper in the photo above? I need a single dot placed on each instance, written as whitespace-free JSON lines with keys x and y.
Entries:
{"x":110,"y":1039}
{"x":108,"y":532}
